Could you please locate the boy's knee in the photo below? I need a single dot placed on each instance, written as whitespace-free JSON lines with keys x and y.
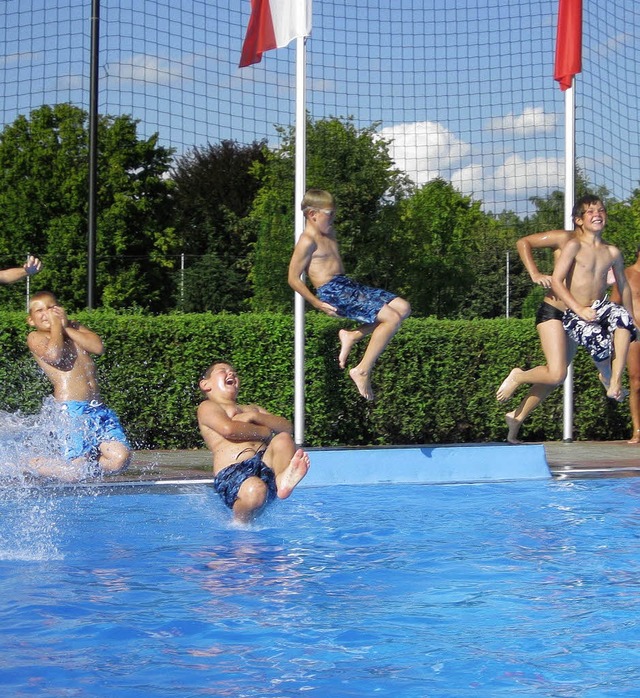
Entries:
{"x":115,"y":457}
{"x":402,"y":307}
{"x":253,"y":493}
{"x":558,"y":375}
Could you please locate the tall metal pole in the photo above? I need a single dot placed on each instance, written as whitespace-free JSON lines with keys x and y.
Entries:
{"x":93,"y":154}
{"x":507,"y":299}
{"x":300,"y":180}
{"x":569,"y":199}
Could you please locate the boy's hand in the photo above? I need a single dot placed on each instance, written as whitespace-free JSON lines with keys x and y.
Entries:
{"x":60,"y":314}
{"x":32,"y":265}
{"x":588,"y":314}
{"x":542,"y":280}
{"x":328,"y":309}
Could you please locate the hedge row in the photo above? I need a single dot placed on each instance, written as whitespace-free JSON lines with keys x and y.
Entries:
{"x":435,"y":383}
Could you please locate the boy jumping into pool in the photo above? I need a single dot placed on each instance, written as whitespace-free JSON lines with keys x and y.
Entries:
{"x":316,"y":254}
{"x":63,"y":348}
{"x":254,"y":456}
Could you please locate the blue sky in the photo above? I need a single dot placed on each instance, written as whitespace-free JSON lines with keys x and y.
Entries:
{"x":463,"y":88}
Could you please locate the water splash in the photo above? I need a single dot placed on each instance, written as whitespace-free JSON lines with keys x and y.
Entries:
{"x":29,"y":515}
{"x":26,"y":440}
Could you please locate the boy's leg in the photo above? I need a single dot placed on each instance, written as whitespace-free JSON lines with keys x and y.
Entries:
{"x":251,"y":499}
{"x":388,"y":321}
{"x":554,"y":345}
{"x":633,"y":366}
{"x":621,"y":341}
{"x":537,"y":393}
{"x":349,"y":337}
{"x":288,"y":464}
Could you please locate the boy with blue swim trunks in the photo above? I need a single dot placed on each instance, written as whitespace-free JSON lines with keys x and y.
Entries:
{"x":63,"y":348}
{"x":380,"y":312}
{"x":254,"y":457}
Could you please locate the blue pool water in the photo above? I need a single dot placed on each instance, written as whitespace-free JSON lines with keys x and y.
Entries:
{"x":505,"y":589}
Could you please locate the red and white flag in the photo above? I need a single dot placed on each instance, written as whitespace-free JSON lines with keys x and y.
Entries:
{"x":568,"y":42}
{"x":274,"y":24}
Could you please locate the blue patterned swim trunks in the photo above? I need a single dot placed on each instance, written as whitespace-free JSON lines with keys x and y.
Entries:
{"x":354,"y":300}
{"x":597,"y":337}
{"x":90,"y":424}
{"x":228,"y":481}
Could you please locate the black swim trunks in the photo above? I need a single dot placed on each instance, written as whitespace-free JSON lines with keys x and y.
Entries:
{"x":546,"y":311}
{"x":228,"y":481}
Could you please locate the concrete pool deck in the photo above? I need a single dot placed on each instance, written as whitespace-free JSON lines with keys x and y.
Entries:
{"x":441,"y":463}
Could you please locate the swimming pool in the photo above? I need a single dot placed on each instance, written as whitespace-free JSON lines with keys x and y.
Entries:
{"x":497,"y":589}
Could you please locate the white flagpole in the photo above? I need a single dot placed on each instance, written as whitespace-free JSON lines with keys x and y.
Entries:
{"x":569,"y":199}
{"x":300,"y":186}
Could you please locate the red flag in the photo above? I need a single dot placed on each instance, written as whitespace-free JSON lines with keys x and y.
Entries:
{"x":274,"y":24}
{"x":568,"y":42}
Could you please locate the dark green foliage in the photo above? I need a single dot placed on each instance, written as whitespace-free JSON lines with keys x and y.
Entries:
{"x":435,"y":383}
{"x":44,"y":202}
{"x":214,"y":190}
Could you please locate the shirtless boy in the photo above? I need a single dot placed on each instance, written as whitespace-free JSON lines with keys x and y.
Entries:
{"x":316,"y":254}
{"x":254,"y":456}
{"x":63,"y":349}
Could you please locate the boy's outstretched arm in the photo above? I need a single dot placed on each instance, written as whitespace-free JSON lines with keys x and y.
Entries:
{"x":32,"y":266}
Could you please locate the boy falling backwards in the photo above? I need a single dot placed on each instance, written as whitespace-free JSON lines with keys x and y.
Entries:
{"x":254,"y":457}
{"x":316,"y":254}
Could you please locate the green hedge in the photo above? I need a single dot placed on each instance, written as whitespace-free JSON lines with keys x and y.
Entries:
{"x":435,"y":383}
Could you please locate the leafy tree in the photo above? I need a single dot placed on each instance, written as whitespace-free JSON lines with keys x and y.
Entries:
{"x":44,"y":201}
{"x":214,"y":189}
{"x":453,"y":254}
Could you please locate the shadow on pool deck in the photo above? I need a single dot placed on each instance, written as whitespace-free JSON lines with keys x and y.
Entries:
{"x":579,"y":459}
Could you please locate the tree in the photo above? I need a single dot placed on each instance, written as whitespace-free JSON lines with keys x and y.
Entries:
{"x":453,"y":254}
{"x":44,"y":201}
{"x":214,"y":189}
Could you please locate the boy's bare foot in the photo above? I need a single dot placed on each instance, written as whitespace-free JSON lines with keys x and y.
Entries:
{"x":508,"y":386}
{"x":346,"y":342}
{"x":635,"y":439}
{"x":514,"y":427}
{"x":293,"y":473}
{"x":615,"y":392}
{"x":623,"y":391}
{"x":362,"y":379}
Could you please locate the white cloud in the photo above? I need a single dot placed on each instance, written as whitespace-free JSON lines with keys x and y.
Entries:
{"x":532,"y":120}
{"x":511,"y":184}
{"x":516,"y":175}
{"x":424,"y":150}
